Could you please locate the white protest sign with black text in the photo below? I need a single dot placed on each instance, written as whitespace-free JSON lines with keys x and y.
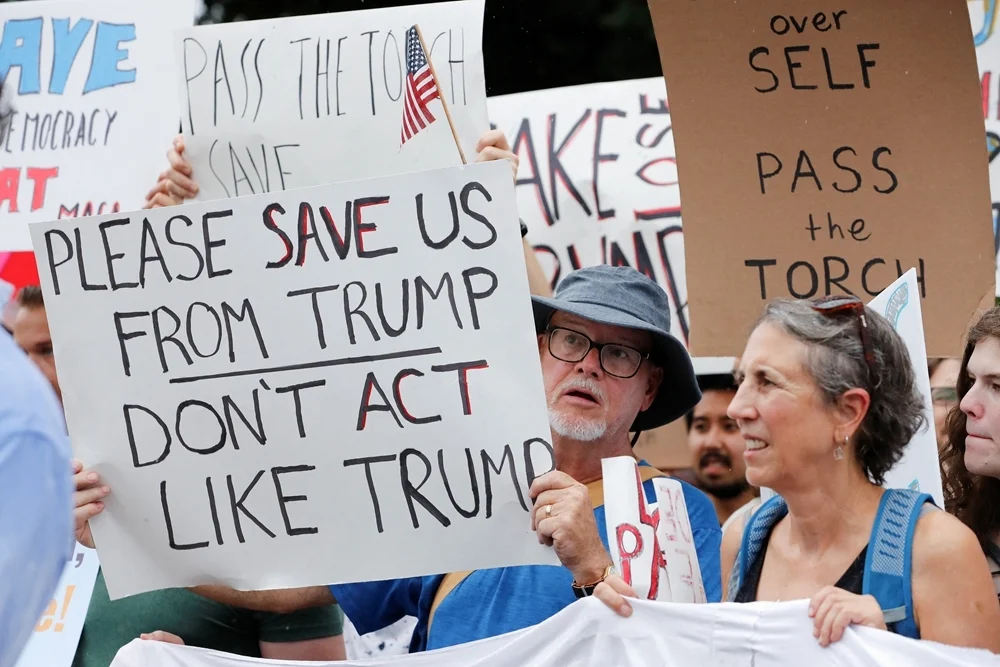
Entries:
{"x":597,"y":183}
{"x":326,"y":385}
{"x":277,"y":104}
{"x":919,"y":468}
{"x":91,"y":116}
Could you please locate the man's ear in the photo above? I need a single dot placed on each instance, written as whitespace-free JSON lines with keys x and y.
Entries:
{"x":653,"y":382}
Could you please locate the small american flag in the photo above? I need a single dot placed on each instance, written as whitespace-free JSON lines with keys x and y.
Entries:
{"x":420,"y":88}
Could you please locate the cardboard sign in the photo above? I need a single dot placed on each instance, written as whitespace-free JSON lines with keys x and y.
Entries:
{"x":651,"y":549}
{"x":91,"y":118}
{"x":57,"y":632}
{"x":298,"y":388}
{"x":810,"y":143}
{"x":983,"y":14}
{"x":919,"y":468}
{"x":597,"y":183}
{"x":306,"y":100}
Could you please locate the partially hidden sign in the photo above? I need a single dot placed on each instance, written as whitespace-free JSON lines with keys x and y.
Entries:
{"x":827,"y":149}
{"x":91,"y":112}
{"x":652,"y":545}
{"x":299,"y":101}
{"x":325,"y":385}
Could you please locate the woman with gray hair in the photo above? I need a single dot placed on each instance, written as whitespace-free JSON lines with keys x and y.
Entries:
{"x":827,"y":404}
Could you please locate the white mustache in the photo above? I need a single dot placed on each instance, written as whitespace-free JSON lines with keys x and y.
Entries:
{"x":586,"y":384}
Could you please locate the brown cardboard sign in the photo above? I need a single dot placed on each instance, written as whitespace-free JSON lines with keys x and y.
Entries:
{"x":825,"y":148}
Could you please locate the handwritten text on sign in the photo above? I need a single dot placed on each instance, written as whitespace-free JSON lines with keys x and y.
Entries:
{"x":831,"y":181}
{"x":244,"y":373}
{"x":597,"y":182}
{"x":78,"y":74}
{"x":277,"y":104}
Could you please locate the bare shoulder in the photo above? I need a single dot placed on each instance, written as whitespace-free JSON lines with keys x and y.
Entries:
{"x":732,"y":540}
{"x":942,"y":540}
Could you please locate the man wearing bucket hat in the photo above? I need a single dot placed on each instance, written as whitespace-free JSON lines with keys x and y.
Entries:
{"x":610,"y":367}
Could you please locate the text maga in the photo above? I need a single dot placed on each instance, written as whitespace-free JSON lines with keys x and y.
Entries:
{"x":306,"y":383}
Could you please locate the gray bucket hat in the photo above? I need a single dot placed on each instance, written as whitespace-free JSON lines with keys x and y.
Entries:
{"x":623,"y":297}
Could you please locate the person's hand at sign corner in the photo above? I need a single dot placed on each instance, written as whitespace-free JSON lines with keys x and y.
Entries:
{"x":493,"y":145}
{"x":161,"y":636}
{"x":564,"y":519}
{"x":88,"y":501}
{"x":175,"y":184}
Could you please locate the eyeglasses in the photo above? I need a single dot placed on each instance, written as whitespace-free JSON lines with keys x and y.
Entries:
{"x":832,"y":306}
{"x":944,"y":395}
{"x":571,"y":346}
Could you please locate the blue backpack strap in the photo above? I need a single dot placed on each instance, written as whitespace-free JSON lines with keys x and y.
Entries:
{"x":755,"y":533}
{"x":890,"y":555}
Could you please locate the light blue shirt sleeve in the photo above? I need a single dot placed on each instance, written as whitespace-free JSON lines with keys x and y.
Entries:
{"x":36,"y":501}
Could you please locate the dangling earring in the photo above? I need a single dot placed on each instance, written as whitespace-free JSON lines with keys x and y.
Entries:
{"x":838,"y":453}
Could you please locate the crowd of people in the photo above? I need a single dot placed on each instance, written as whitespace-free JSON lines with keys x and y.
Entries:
{"x":821,"y":405}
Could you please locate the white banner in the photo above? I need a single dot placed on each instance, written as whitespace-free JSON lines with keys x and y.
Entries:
{"x":919,"y":468}
{"x":307,"y":100}
{"x":57,"y":633}
{"x":658,"y":634}
{"x":92,"y":118}
{"x":598,"y":181}
{"x":267,"y":422}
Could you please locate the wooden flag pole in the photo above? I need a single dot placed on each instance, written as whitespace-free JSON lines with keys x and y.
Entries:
{"x":444,"y":102}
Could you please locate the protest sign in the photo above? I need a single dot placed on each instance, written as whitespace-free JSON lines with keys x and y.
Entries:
{"x":597,"y":182}
{"x":983,"y":14}
{"x":57,"y":633}
{"x":653,"y":550}
{"x":267,"y":420}
{"x":807,"y":169}
{"x":91,"y":117}
{"x":306,"y":100}
{"x":664,"y":634}
{"x":919,"y":468}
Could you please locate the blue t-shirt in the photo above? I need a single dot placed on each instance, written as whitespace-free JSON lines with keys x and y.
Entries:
{"x":36,"y":497}
{"x":493,"y":602}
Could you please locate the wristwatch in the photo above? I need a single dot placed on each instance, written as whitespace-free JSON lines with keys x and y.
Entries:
{"x":583,"y":591}
{"x":524,"y":229}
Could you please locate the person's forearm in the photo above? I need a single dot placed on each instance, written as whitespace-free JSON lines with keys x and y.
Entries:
{"x":538,"y":282}
{"x":283,"y":601}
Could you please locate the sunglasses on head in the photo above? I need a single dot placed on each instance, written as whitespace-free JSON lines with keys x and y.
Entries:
{"x":832,"y":306}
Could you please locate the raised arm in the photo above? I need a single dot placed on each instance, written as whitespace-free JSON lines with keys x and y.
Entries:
{"x":283,"y":601}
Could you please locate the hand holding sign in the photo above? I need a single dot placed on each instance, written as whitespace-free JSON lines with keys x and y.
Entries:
{"x":87,"y":501}
{"x":564,"y":519}
{"x":493,"y":145}
{"x":175,"y":184}
{"x":833,"y":609}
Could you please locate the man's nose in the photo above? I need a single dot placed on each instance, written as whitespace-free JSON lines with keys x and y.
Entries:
{"x":591,"y":364}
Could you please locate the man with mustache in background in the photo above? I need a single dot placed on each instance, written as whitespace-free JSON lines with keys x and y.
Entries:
{"x":717,"y":447}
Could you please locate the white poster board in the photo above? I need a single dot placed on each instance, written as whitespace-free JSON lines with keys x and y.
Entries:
{"x":92,"y":118}
{"x":919,"y":469}
{"x":284,"y":103}
{"x":651,"y":544}
{"x":57,"y":633}
{"x":597,"y":182}
{"x":280,"y":394}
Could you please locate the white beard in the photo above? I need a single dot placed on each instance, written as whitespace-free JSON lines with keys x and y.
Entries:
{"x":577,"y":428}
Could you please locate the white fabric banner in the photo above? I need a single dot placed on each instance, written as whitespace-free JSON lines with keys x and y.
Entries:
{"x":660,"y":634}
{"x":91,"y":117}
{"x":293,"y":389}
{"x":292,"y":102}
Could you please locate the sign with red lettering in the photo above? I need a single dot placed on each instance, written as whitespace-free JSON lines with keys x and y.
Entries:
{"x":597,"y":182}
{"x":651,"y":543}
{"x":295,"y":388}
{"x":811,"y":144}
{"x":87,"y":117}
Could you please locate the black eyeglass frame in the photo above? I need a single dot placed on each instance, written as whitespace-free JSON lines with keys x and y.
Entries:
{"x":643,"y":356}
